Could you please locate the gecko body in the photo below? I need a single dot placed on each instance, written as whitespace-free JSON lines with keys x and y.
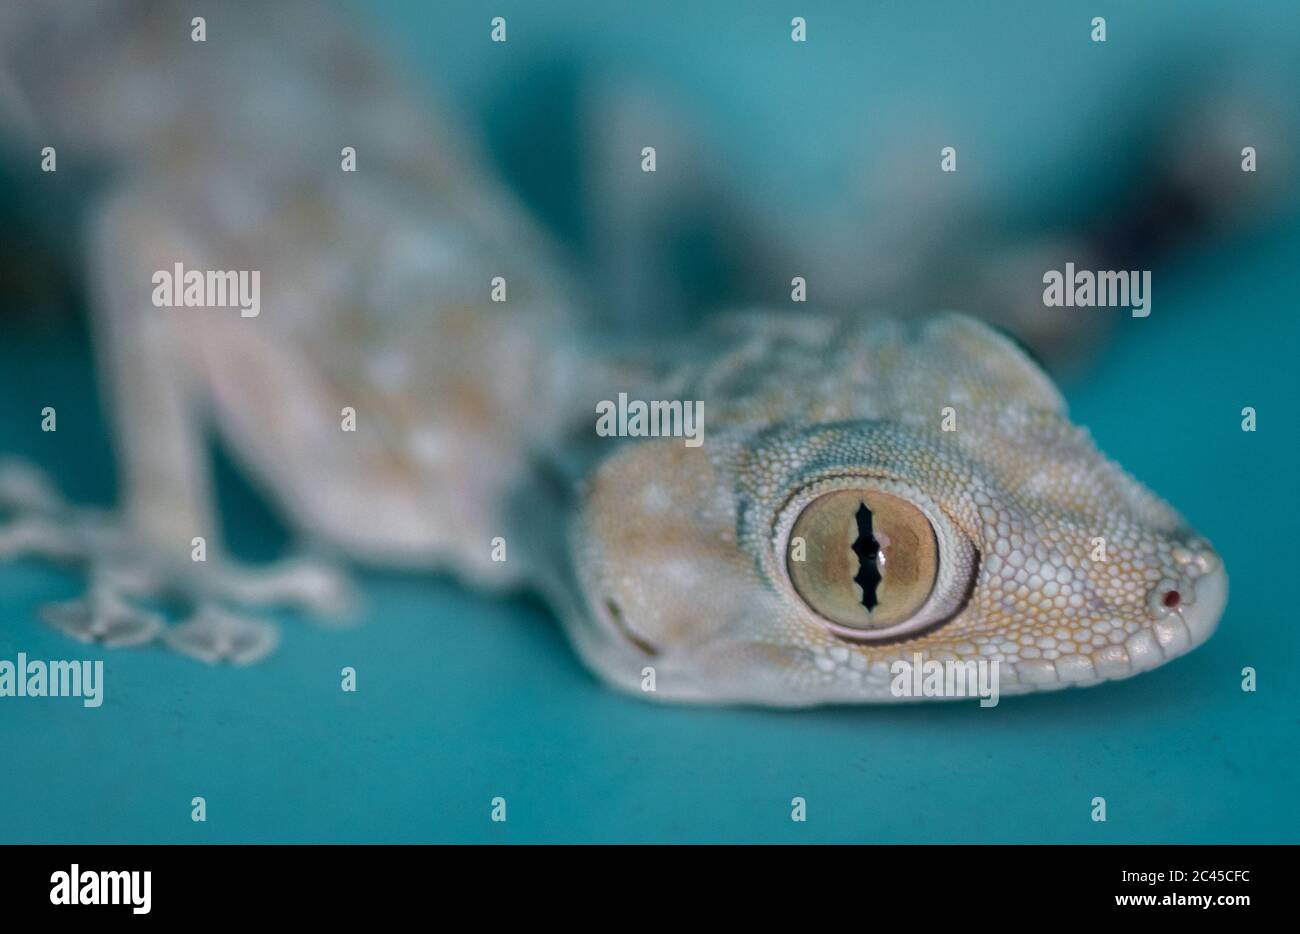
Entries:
{"x":868,"y":490}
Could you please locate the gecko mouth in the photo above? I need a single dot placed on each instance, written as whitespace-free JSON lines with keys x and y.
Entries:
{"x":1202,"y":617}
{"x":1184,"y":626}
{"x":1169,"y":635}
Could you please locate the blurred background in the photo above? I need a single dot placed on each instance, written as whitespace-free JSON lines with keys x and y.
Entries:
{"x":775,"y":159}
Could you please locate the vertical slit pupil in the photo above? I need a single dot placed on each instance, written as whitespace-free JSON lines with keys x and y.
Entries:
{"x":868,"y":551}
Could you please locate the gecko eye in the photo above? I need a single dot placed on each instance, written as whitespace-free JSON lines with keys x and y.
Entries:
{"x":864,"y":560}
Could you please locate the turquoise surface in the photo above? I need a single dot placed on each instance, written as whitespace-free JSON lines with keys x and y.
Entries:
{"x":463,"y":697}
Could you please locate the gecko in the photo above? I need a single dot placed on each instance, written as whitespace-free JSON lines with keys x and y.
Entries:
{"x":869,"y":488}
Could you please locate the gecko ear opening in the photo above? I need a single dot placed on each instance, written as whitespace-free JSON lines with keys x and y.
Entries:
{"x":996,"y":360}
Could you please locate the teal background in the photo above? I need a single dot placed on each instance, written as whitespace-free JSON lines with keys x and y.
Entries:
{"x":463,"y":697}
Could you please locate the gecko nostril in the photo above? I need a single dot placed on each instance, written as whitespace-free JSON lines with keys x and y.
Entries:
{"x":1170,"y":595}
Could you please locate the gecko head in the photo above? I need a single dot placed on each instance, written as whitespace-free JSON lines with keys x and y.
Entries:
{"x":799,"y":564}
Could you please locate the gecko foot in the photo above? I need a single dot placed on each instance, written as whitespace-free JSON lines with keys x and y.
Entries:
{"x":214,"y":635}
{"x":104,"y":617}
{"x":127,"y":572}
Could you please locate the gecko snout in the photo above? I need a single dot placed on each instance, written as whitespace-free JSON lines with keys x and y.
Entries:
{"x":1185,"y":610}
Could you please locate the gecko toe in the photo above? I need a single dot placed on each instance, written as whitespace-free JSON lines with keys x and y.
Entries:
{"x":26,"y":487}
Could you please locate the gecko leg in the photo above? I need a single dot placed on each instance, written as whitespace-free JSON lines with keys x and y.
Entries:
{"x":147,"y":549}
